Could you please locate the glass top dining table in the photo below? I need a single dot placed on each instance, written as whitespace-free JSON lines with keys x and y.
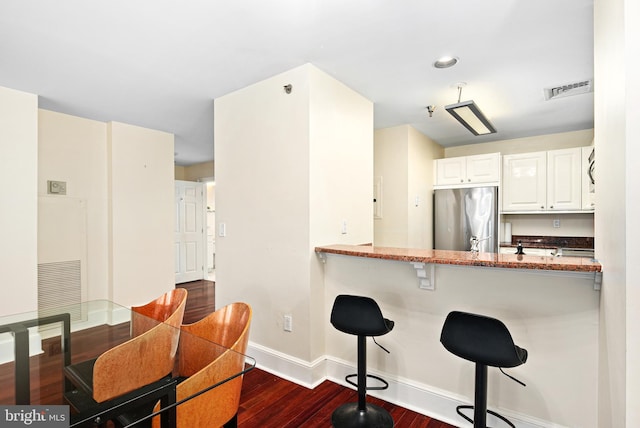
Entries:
{"x":40,"y":352}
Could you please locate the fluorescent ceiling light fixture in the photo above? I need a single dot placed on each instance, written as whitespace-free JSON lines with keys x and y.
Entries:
{"x":470,"y":116}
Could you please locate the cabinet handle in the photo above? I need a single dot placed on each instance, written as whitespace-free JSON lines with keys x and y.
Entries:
{"x":469,"y":180}
{"x":462,"y":180}
{"x":551,"y":207}
{"x":541,"y":207}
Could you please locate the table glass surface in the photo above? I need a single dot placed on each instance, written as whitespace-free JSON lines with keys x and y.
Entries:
{"x":95,"y":327}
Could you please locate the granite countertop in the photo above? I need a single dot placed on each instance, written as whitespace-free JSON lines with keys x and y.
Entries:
{"x":466,"y":258}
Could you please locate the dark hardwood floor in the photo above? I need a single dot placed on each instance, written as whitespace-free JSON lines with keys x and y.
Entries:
{"x":268,"y":401}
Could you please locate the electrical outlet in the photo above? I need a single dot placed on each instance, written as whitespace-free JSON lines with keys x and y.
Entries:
{"x":288,"y":323}
{"x":556,"y":222}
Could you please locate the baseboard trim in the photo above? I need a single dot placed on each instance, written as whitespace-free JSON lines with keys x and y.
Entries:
{"x":287,"y":367}
{"x":411,"y":395}
{"x":7,"y":346}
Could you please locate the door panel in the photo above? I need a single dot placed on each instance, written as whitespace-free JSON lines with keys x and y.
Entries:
{"x":190,"y":234}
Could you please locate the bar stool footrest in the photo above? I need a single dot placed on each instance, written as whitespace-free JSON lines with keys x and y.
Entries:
{"x":385,"y":384}
{"x":491,"y":412}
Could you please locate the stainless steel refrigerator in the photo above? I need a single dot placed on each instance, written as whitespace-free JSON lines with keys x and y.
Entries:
{"x":460,"y":214}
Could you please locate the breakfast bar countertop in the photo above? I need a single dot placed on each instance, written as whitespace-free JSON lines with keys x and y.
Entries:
{"x":466,"y":258}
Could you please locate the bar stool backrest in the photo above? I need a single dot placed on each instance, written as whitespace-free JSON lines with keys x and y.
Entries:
{"x":359,"y":315}
{"x":481,"y":339}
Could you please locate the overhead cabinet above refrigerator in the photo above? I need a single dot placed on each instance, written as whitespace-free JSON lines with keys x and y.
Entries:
{"x":467,"y":170}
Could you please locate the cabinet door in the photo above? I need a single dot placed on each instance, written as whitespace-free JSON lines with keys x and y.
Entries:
{"x":564,"y":182}
{"x":588,"y":178}
{"x":451,"y":170}
{"x":483,"y":168}
{"x":524,"y":182}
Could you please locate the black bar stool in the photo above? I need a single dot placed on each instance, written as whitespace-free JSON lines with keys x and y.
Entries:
{"x":361,"y":316}
{"x":487,"y":342}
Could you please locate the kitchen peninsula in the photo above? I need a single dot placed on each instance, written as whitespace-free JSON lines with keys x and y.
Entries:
{"x":466,"y":258}
{"x":550,"y":305}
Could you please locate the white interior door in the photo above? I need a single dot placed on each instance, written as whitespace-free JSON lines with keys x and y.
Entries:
{"x":190,"y":234}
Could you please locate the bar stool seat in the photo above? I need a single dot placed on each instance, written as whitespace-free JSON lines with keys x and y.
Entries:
{"x":361,"y":316}
{"x":486,"y":342}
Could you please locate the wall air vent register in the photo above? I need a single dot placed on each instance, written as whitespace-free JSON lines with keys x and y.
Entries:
{"x":575,"y":88}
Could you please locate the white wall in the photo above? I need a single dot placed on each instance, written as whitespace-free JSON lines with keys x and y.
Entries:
{"x":340,"y":187}
{"x":422,"y":152}
{"x":127,"y":186}
{"x":542,"y":225}
{"x":554,"y":316}
{"x":563,"y":140}
{"x":74,"y":150}
{"x":289,"y":169}
{"x":390,"y":164}
{"x":142,"y":218}
{"x":124,"y":175}
{"x":618,"y":209}
{"x":403,"y":158}
{"x":632,"y":226}
{"x":19,"y":194}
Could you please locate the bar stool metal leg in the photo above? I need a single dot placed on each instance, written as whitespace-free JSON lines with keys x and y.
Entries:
{"x":486,"y":342}
{"x":361,"y":317}
{"x":361,"y":414}
{"x":480,"y":400}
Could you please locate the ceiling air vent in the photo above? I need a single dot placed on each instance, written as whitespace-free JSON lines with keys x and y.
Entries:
{"x":568,"y":89}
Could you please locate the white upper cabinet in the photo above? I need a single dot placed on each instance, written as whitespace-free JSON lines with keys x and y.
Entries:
{"x":564,"y":181}
{"x":483,"y":168}
{"x":542,"y":181}
{"x":451,"y":170}
{"x":524,"y":182}
{"x":468,"y":170}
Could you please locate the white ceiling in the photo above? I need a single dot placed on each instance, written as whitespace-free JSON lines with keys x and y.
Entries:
{"x":161,"y":63}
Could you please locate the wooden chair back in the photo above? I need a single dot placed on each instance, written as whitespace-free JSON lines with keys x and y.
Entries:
{"x":203,"y":366}
{"x":149,"y":355}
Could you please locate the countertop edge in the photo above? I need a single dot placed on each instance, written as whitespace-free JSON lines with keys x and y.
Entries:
{"x":465,"y":258}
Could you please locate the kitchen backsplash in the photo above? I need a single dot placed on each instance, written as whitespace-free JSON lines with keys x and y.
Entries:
{"x":552,"y":241}
{"x":576,"y":225}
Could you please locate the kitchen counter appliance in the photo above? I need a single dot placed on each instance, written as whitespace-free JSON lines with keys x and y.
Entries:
{"x":460,"y":214}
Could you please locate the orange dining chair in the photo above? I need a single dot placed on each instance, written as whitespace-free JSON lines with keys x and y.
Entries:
{"x":147,"y":357}
{"x":202,"y":364}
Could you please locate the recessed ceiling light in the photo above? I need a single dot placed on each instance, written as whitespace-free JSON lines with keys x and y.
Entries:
{"x":445,"y":62}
